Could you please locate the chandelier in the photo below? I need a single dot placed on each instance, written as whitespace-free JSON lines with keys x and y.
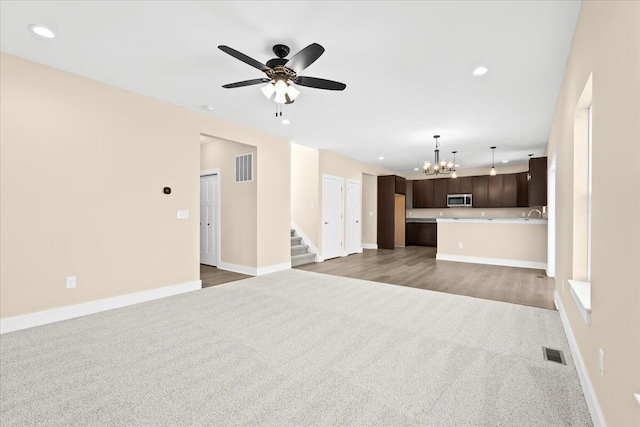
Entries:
{"x":439,"y":167}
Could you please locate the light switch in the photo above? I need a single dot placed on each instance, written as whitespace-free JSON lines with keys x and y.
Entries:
{"x":370,"y":213}
{"x":183,"y":214}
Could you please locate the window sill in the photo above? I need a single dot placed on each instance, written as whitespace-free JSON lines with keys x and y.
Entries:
{"x":581,"y":293}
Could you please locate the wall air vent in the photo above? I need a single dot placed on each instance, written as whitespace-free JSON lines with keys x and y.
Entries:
{"x":244,"y":168}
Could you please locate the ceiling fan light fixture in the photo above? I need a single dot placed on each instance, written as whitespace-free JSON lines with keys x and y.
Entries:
{"x":268,"y":90}
{"x":280,"y":98}
{"x":292,"y":92}
{"x":280,"y":87}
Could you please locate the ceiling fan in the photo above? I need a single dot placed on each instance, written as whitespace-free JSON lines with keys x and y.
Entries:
{"x":282,"y":73}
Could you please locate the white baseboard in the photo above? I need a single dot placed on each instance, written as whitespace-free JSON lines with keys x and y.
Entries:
{"x":306,"y":240}
{"x":273,"y":268}
{"x":39,"y":318}
{"x":493,"y":261}
{"x":585,"y":382}
{"x":369,"y":246}
{"x":242,"y":269}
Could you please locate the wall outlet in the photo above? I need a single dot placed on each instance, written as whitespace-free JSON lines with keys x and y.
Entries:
{"x":482,"y":213}
{"x":440,"y":213}
{"x":183,"y":214}
{"x":601,"y":352}
{"x":71,"y":282}
{"x":460,"y":245}
{"x":370,"y":213}
{"x":313,"y":205}
{"x":410,"y":213}
{"x":523,"y":214}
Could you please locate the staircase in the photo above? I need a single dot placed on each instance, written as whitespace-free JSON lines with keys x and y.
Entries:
{"x":300,"y":253}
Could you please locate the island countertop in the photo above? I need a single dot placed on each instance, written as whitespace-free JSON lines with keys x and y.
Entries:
{"x":495,"y":220}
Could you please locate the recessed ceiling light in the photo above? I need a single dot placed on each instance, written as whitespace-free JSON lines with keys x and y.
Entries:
{"x":457,"y":166}
{"x":380,"y":158}
{"x":42,"y":31}
{"x":416,"y":169}
{"x":285,"y":122}
{"x":480,"y":71}
{"x":505,"y":161}
{"x":207,"y":107}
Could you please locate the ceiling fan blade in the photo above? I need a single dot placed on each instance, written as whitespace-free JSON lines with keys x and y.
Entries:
{"x":246,"y":83}
{"x":305,"y":57}
{"x":319,"y":83}
{"x":244,"y":58}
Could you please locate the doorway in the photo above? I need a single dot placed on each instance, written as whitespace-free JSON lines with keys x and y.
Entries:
{"x":354,"y":227}
{"x":209,"y":217}
{"x":332,"y":187}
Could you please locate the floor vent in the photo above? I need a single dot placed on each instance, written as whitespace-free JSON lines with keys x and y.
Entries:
{"x":553,"y":355}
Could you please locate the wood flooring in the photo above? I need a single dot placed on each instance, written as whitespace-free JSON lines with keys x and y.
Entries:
{"x":416,"y":267}
{"x":212,"y":276}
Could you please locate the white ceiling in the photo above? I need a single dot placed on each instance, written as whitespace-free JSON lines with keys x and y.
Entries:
{"x":407,"y":67}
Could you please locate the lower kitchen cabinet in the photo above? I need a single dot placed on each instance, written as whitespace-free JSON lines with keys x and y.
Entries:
{"x":422,"y":234}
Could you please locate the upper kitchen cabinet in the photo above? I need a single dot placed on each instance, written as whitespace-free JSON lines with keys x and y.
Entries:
{"x":495,"y":191}
{"x":538,"y":181}
{"x":480,"y":191}
{"x":401,"y":185}
{"x":461,"y":185}
{"x":510,"y":190}
{"x":423,"y":193}
{"x":522,"y":183}
{"x":440,"y":189}
{"x":409,"y":193}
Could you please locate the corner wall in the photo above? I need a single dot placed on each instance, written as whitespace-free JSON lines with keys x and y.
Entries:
{"x":607,"y":44}
{"x":82,"y":168}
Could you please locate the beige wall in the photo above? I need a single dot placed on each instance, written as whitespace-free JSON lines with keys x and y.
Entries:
{"x":305,"y":200}
{"x":369,"y":205}
{"x":238,"y":201}
{"x":607,"y":44}
{"x":83,"y":165}
{"x":520,"y":242}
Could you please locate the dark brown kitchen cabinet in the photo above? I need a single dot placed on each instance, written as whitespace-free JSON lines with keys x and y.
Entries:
{"x":423,"y":193}
{"x":409,"y":193}
{"x":495,"y":191}
{"x":461,"y":185}
{"x":509,"y":190}
{"x":538,"y":181}
{"x":422,"y":234}
{"x":401,"y":185}
{"x":522,"y":182}
{"x":440,"y":193}
{"x":480,"y":189}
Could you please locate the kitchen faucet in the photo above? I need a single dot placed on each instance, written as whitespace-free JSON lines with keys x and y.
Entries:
{"x":537,"y":210}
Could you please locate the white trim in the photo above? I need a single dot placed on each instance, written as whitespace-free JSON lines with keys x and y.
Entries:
{"x":528,"y":221}
{"x":358,"y":248}
{"x":251,"y":271}
{"x":39,"y":318}
{"x":493,"y":261}
{"x":369,"y":246}
{"x":581,"y":293}
{"x":637,"y":396}
{"x":273,"y":268}
{"x":305,"y":239}
{"x":585,"y":382}
{"x":551,"y":215}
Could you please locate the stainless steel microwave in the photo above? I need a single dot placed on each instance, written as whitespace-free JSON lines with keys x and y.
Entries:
{"x":459,"y":200}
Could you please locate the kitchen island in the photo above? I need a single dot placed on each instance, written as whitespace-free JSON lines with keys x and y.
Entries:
{"x":515,"y":242}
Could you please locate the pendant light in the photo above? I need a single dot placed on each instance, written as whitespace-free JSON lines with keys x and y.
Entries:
{"x":454,"y":174}
{"x":493,"y":162}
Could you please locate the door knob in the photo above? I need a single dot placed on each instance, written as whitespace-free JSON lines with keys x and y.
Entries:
{"x":326,"y":223}
{"x":357,"y":222}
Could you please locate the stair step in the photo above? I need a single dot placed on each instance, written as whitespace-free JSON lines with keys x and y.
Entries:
{"x":295,"y":241}
{"x":302,"y":259}
{"x":299,"y":249}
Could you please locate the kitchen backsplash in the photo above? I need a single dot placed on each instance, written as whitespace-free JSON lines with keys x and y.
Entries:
{"x":474,"y":213}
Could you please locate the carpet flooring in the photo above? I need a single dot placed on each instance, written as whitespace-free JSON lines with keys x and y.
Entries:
{"x":294,"y":348}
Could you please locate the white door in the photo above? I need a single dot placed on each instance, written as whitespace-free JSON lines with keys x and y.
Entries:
{"x":331,"y":216}
{"x":209,"y":220}
{"x":353,"y":217}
